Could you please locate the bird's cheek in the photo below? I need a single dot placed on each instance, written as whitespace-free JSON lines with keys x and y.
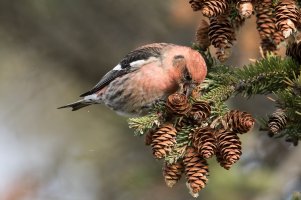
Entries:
{"x":176,"y":74}
{"x":198,"y":74}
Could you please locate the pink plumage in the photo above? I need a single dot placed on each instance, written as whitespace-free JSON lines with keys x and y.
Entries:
{"x":144,"y":76}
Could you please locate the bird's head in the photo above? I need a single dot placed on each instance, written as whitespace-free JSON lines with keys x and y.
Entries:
{"x":188,"y":65}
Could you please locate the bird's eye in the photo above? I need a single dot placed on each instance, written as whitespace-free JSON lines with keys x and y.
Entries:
{"x":179,"y":61}
{"x":178,"y":57}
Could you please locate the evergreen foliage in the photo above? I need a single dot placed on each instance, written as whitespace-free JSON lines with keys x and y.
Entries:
{"x":270,"y":75}
{"x":277,"y":22}
{"x":179,"y":149}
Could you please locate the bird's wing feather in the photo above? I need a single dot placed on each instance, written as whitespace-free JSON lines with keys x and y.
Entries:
{"x":132,"y":61}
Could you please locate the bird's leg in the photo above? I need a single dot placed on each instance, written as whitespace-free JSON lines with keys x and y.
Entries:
{"x":188,"y":89}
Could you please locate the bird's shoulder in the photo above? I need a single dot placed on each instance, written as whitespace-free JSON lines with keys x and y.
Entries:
{"x":130,"y":62}
{"x":142,"y":53}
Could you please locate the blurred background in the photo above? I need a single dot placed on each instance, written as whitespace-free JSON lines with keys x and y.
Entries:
{"x":52,"y":51}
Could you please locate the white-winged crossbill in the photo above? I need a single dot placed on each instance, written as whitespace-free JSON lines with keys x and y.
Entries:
{"x":144,"y":76}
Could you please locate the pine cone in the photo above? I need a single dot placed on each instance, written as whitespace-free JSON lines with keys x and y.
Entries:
{"x":229,"y":146}
{"x":294,"y":50}
{"x":204,"y":141}
{"x":287,"y":16}
{"x":221,"y":35}
{"x":200,"y":111}
{"x":178,"y":104}
{"x":245,"y":8}
{"x":214,"y":8}
{"x":277,"y":122}
{"x":196,"y":170}
{"x":163,"y":140}
{"x":172,"y":173}
{"x":239,"y":122}
{"x":266,"y":24}
{"x":196,"y":4}
{"x":202,"y":39}
{"x":278,"y":37}
{"x":223,"y":163}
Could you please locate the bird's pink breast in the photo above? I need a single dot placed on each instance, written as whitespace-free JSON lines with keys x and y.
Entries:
{"x":134,"y":93}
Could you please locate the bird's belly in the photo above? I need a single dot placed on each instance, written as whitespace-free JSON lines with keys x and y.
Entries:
{"x":135,"y":100}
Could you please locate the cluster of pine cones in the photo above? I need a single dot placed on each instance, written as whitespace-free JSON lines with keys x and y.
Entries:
{"x":190,"y":122}
{"x":276,"y":20}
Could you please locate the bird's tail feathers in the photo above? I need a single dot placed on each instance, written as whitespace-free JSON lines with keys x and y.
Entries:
{"x":86,"y":101}
{"x":77,"y":105}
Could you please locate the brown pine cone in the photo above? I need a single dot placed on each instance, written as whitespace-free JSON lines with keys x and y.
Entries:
{"x":221,"y":35}
{"x":172,"y":173}
{"x":245,"y":8}
{"x":294,"y":50}
{"x":178,"y":104}
{"x":278,"y":37}
{"x":201,"y":36}
{"x":213,"y":8}
{"x":223,"y":163}
{"x":200,"y":111}
{"x":204,"y":141}
{"x":229,"y":146}
{"x":196,"y":4}
{"x":277,"y":122}
{"x":196,"y":170}
{"x":239,"y":122}
{"x":287,"y":16}
{"x":163,"y":140}
{"x":266,"y":24}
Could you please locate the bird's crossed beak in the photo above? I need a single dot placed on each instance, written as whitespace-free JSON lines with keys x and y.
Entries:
{"x":187,"y":88}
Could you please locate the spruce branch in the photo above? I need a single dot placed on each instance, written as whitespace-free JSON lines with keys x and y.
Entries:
{"x":182,"y":141}
{"x":142,"y":124}
{"x":270,"y":75}
{"x":265,"y":76}
{"x":285,"y":122}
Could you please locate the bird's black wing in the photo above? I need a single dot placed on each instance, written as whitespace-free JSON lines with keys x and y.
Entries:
{"x":106,"y":79}
{"x":124,"y":67}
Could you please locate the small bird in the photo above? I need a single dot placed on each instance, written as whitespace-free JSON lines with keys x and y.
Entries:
{"x":145,"y":76}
